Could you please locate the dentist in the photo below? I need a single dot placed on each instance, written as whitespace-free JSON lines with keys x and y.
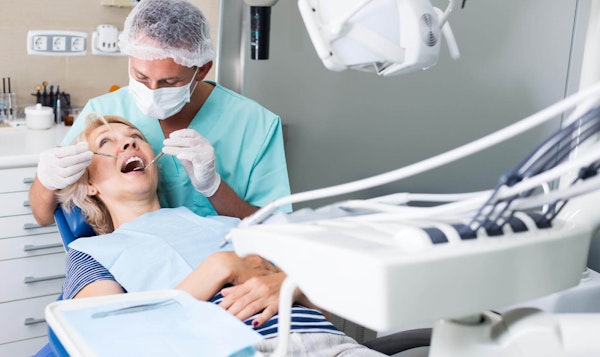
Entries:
{"x":224,"y":152}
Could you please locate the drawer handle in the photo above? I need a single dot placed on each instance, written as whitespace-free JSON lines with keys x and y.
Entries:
{"x":31,"y":226}
{"x":28,"y":180}
{"x":26,"y":204}
{"x":32,"y":279}
{"x":33,"y":321}
{"x":31,"y":247}
{"x":28,"y":226}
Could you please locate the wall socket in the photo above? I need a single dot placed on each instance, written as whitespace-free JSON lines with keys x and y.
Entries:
{"x":56,"y":43}
{"x":120,"y":3}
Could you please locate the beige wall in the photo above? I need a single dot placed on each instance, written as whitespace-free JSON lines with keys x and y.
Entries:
{"x":81,"y":76}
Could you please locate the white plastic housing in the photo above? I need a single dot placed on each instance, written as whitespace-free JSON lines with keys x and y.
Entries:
{"x":389,"y":37}
{"x":381,"y":272}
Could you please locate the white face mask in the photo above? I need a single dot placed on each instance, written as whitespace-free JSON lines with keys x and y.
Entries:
{"x":161,"y":103}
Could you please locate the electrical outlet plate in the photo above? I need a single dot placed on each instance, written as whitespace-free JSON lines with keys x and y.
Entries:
{"x":119,"y":3}
{"x":56,"y":43}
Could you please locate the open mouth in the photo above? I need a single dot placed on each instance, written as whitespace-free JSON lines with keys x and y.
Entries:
{"x":134,"y":163}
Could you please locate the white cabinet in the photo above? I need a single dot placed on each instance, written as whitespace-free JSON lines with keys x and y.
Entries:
{"x":31,"y":257}
{"x":23,"y":348}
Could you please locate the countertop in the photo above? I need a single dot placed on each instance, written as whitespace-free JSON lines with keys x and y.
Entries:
{"x":21,"y":146}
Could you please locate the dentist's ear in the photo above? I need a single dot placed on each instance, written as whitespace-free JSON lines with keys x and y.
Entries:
{"x":203,"y":71}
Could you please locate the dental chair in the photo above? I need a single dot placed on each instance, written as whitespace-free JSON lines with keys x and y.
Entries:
{"x":72,"y":225}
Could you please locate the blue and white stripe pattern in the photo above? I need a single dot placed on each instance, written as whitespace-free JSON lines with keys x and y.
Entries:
{"x":82,"y":269}
{"x":304,"y":320}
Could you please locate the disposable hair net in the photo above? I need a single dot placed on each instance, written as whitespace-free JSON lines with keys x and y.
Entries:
{"x":159,"y":29}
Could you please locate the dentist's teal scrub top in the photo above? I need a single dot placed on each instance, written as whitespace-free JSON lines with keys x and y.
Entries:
{"x":247,"y":139}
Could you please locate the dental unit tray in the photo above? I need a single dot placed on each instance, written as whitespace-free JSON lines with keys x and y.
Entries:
{"x":152,"y":323}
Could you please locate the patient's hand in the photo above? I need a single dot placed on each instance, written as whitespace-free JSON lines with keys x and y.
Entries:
{"x":246,"y":268}
{"x":223,"y":268}
{"x":260,"y":293}
{"x":256,"y":285}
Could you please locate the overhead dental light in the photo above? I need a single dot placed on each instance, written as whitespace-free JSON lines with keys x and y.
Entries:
{"x":388,"y":37}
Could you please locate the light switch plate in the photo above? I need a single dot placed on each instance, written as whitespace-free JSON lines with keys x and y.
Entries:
{"x":56,"y":43}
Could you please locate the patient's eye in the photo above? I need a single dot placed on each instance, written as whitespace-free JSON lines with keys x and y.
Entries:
{"x":102,"y":142}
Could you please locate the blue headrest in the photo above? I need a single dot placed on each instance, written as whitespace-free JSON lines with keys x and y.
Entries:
{"x":78,"y":224}
{"x":72,"y":225}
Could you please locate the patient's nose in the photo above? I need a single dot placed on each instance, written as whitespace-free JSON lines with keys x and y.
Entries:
{"x":130,"y":142}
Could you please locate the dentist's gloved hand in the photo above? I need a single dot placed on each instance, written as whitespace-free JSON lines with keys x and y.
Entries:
{"x":62,"y":166}
{"x":198,"y":158}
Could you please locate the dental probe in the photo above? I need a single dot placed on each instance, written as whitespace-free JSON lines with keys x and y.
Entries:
{"x":139,"y":168}
{"x":103,"y":154}
{"x":160,"y":154}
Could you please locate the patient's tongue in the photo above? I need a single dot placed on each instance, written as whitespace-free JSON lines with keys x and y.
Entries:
{"x":132,"y":166}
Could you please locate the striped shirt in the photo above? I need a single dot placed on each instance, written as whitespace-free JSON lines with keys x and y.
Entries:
{"x":82,"y":269}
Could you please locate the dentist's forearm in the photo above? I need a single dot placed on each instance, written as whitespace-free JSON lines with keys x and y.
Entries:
{"x":43,"y":203}
{"x":227,"y":203}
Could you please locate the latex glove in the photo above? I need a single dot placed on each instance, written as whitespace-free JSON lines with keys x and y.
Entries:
{"x":62,"y":166}
{"x":198,"y":158}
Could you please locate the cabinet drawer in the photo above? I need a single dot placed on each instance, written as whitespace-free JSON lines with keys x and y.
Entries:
{"x":23,"y":348}
{"x":24,"y":319}
{"x":14,"y":203}
{"x":31,"y":277}
{"x":30,"y":246}
{"x":20,"y":179}
{"x":16,"y":226}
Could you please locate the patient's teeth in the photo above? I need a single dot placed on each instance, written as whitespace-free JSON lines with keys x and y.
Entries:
{"x":134,"y":158}
{"x":136,"y":161}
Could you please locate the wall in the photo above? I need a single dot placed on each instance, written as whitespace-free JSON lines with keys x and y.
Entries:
{"x":81,"y":76}
{"x":343,"y":126}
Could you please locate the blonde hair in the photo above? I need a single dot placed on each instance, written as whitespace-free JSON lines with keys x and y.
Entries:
{"x":95,"y":211}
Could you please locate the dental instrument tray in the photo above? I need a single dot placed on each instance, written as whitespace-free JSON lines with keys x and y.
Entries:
{"x":152,"y":323}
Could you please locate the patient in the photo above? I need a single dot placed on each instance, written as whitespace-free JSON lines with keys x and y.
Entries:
{"x":144,"y":247}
